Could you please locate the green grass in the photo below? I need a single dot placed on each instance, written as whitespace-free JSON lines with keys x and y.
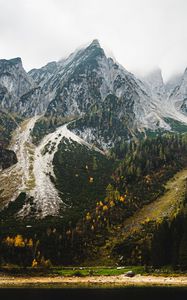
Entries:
{"x":72,"y":271}
{"x":98,"y":271}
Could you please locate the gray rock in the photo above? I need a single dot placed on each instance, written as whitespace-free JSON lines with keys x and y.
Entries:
{"x":130,"y":274}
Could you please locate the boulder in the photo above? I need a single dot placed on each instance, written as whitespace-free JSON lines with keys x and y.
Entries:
{"x":130,"y":274}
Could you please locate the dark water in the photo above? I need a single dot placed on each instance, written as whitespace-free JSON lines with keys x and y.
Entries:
{"x":96,"y":294}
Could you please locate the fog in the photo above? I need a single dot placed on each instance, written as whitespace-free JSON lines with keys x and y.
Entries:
{"x":140,"y":34}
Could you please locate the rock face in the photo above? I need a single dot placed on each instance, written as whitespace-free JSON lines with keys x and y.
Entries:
{"x":179,"y":94}
{"x":14,"y":84}
{"x":42,"y":75}
{"x":89,"y":85}
{"x":156,"y":84}
{"x":172,"y":83}
{"x":81,"y":86}
{"x":88,"y":77}
{"x":105,"y":103}
{"x":13,"y":77}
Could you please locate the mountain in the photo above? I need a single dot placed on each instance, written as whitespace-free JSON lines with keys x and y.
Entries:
{"x":90,"y":77}
{"x":16,"y":87}
{"x":155,"y":83}
{"x":168,"y":97}
{"x":13,"y":77}
{"x":179,"y":94}
{"x":81,"y":86}
{"x":86,"y":150}
{"x":173,"y":82}
{"x":87,"y":98}
{"x":42,"y":75}
{"x":95,"y":90}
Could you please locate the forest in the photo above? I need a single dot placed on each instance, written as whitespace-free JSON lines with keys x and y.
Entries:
{"x":102,"y":192}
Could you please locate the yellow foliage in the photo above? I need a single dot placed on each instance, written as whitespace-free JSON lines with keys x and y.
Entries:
{"x":9,"y":241}
{"x":105,"y":208}
{"x":122,"y":198}
{"x":159,"y":220}
{"x":88,"y":217}
{"x":41,"y":263}
{"x":34,"y":263}
{"x":101,"y":203}
{"x":18,"y":241}
{"x":112,"y":203}
{"x":30,"y":243}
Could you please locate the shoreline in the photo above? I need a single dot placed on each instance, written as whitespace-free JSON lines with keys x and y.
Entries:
{"x":92,"y":281}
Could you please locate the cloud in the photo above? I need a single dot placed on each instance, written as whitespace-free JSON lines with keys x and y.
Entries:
{"x":141,"y":34}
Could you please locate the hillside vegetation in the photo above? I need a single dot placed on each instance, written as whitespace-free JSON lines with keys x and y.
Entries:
{"x":119,"y":208}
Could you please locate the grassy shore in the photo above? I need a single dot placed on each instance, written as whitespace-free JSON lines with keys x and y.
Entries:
{"x":70,"y":271}
{"x":84,"y":277}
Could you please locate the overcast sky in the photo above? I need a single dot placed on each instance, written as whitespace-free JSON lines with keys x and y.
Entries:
{"x":140,"y":34}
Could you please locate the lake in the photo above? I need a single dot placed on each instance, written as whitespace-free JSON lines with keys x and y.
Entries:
{"x":138,"y":293}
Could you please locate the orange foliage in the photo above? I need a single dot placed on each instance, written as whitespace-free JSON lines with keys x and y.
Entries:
{"x":18,"y":241}
{"x":9,"y":241}
{"x":30,"y":243}
{"x":122,"y":198}
{"x":34,"y":263}
{"x":105,"y":208}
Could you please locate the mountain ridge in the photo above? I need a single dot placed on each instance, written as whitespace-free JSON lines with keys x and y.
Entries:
{"x":89,"y":147}
{"x":96,"y":99}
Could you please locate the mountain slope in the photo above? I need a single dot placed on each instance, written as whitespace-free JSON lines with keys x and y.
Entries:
{"x":108,"y":105}
{"x":119,"y":245}
{"x":81,"y":86}
{"x":89,"y":157}
{"x":16,"y":87}
{"x":33,"y":172}
{"x":179,"y":95}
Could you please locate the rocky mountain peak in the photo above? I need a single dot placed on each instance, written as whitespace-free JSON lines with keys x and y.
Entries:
{"x":95,"y":43}
{"x":155,"y":82}
{"x":15,"y":61}
{"x":173,"y":82}
{"x":155,"y":77}
{"x":7,"y":65}
{"x":94,"y":49}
